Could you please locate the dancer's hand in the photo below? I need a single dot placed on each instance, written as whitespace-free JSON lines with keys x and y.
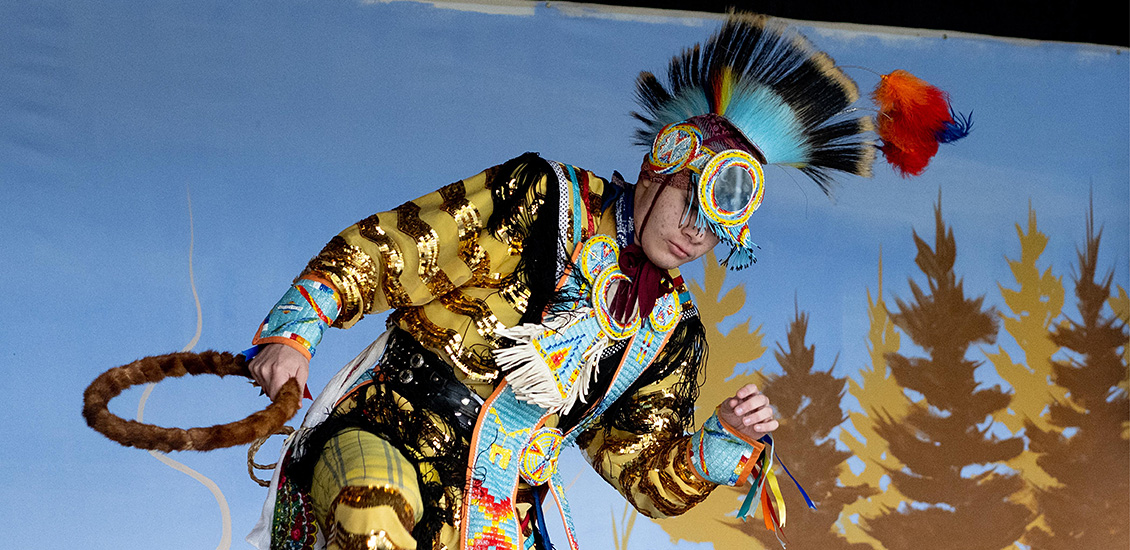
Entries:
{"x":277,"y":363}
{"x":749,"y":412}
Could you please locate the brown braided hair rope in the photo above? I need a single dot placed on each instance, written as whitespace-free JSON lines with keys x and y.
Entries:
{"x":132,"y":433}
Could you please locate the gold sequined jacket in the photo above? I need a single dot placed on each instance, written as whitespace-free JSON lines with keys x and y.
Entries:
{"x":449,"y":265}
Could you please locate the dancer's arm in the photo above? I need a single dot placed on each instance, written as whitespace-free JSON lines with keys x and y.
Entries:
{"x":647,"y":459}
{"x":436,"y":246}
{"x":656,"y":466}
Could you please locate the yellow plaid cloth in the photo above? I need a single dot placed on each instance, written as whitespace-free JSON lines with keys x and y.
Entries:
{"x":365,"y":494}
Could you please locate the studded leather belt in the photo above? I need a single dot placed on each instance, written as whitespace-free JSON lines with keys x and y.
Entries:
{"x":427,"y":382}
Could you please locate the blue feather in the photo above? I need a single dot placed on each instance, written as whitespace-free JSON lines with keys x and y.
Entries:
{"x":957,"y":129}
{"x":769,"y":121}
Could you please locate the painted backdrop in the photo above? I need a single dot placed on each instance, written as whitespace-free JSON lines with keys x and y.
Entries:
{"x":948,"y":352}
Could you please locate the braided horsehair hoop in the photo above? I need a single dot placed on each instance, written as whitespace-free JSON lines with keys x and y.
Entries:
{"x":132,"y":433}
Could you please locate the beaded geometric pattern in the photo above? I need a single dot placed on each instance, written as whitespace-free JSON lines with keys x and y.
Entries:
{"x":719,"y":456}
{"x":302,"y":315}
{"x":675,"y":147}
{"x":508,"y":444}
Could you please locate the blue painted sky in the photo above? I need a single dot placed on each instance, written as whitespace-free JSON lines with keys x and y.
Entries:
{"x":287,"y":121}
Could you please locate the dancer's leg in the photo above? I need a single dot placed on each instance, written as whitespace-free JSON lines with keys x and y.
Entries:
{"x":364,"y":491}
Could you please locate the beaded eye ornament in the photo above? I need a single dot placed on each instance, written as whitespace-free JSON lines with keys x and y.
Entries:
{"x":729,"y":185}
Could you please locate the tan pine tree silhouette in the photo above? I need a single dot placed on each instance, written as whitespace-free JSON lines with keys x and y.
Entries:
{"x":628,"y":521}
{"x":1035,"y":306}
{"x":878,"y":393}
{"x":1121,"y":306}
{"x":1090,"y":508}
{"x":727,"y":350}
{"x":736,"y":346}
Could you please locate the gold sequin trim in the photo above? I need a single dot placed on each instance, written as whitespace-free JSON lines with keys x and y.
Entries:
{"x":449,"y":343}
{"x":427,"y":246}
{"x":516,"y":293}
{"x":666,"y":506}
{"x":431,"y":335}
{"x":367,"y":497}
{"x":671,"y":485}
{"x":475,"y":309}
{"x":630,"y":446}
{"x":631,"y":471}
{"x":371,"y":497}
{"x":489,"y":174}
{"x":668,"y":497}
{"x":506,"y":235}
{"x":630,"y":476}
{"x":507,"y":232}
{"x":351,"y":271}
{"x":470,"y":225}
{"x":375,"y":540}
{"x":686,"y":470}
{"x":654,"y":411}
{"x":370,"y":228}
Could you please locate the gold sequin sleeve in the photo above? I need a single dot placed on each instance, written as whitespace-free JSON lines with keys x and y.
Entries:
{"x":417,"y":252}
{"x":434,"y":262}
{"x":651,"y":467}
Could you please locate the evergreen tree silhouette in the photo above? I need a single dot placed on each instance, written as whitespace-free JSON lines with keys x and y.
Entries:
{"x":1121,"y":306}
{"x":808,"y":404}
{"x":1035,"y":304}
{"x":1088,"y":453}
{"x":958,"y":499}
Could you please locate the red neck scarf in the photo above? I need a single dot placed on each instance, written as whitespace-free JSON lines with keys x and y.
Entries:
{"x":648,"y":281}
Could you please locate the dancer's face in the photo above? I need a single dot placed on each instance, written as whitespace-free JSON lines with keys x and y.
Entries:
{"x":667,"y":242}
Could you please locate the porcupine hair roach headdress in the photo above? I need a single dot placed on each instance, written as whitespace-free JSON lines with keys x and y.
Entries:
{"x":786,"y":101}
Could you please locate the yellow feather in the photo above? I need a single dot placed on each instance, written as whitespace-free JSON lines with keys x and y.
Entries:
{"x":725,"y":90}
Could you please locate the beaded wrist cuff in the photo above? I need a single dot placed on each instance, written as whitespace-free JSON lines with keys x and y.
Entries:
{"x":301,"y":316}
{"x":722,"y":456}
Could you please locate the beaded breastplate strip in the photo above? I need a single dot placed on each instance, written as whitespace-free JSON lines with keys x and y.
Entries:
{"x":548,"y":371}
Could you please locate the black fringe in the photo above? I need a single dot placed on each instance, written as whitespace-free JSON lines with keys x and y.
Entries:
{"x":531,"y":216}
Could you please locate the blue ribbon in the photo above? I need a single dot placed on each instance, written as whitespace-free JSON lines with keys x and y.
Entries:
{"x":801,"y":489}
{"x":540,"y":518}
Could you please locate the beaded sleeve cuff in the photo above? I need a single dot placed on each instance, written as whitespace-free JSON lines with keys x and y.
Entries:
{"x":301,"y":316}
{"x":722,"y":455}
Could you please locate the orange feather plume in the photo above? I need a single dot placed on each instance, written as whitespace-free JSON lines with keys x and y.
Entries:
{"x":913,"y":118}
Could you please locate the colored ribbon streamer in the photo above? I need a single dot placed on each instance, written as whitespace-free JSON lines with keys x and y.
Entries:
{"x":767,"y":490}
{"x":755,"y":493}
{"x":775,"y":488}
{"x":767,"y":512}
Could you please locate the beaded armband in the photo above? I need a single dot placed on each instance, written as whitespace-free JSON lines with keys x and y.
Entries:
{"x":301,"y":316}
{"x":721,"y":455}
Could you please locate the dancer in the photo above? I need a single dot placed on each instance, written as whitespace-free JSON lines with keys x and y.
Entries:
{"x":536,"y":305}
